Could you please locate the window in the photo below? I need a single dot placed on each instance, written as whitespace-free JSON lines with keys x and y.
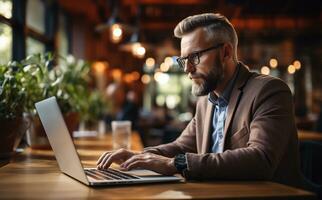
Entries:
{"x":173,"y":90}
{"x":36,"y":16}
{"x":5,"y":31}
{"x":33,"y":26}
{"x":6,"y":8}
{"x":62,"y":36}
{"x":34,"y":46}
{"x":35,"y":22}
{"x":6,"y":43}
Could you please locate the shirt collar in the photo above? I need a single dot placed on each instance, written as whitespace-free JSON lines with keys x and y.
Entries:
{"x":224,"y":98}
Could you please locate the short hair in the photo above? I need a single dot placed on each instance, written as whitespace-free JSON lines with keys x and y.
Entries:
{"x":217,"y":26}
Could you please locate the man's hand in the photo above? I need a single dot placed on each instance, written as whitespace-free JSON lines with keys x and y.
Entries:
{"x":118,"y":157}
{"x":150,"y":161}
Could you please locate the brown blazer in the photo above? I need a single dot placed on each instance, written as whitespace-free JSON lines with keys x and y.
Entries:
{"x":260,"y":135}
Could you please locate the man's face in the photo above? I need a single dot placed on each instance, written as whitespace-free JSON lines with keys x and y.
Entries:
{"x":209,"y":72}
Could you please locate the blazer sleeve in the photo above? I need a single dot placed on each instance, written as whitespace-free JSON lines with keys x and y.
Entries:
{"x":186,"y":142}
{"x":270,"y":130}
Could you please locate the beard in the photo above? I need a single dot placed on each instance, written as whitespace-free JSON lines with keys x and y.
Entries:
{"x":210,"y":81}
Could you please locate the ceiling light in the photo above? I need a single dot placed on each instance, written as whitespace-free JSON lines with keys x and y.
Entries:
{"x":265,"y":70}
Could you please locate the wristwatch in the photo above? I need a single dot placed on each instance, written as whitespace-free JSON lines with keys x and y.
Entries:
{"x":180,"y":162}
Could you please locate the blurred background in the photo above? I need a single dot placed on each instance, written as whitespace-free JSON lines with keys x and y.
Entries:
{"x":121,"y":56}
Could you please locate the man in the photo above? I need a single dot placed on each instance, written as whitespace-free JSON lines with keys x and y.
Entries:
{"x":244,"y":126}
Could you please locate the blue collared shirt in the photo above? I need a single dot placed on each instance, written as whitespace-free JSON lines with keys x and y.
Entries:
{"x":219,"y":114}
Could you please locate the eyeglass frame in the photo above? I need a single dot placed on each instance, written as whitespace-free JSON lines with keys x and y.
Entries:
{"x":181,"y":60}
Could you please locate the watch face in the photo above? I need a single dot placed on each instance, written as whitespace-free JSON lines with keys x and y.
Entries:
{"x":180,"y":162}
{"x":181,"y":159}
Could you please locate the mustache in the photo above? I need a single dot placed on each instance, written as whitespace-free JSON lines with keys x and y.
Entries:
{"x":197,"y":75}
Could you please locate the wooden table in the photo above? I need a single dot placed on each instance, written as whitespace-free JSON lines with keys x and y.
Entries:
{"x":34,"y":174}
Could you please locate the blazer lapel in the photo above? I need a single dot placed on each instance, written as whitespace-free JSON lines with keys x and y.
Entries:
{"x":242,"y":77}
{"x":206,"y":128}
{"x":234,"y":99}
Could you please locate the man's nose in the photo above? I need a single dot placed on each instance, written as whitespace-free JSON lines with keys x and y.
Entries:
{"x":189,"y":68}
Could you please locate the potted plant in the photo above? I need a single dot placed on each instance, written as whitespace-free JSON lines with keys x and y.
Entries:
{"x":12,"y":101}
{"x":72,"y":88}
{"x":40,"y":82}
{"x":67,"y":81}
{"x":94,"y":108}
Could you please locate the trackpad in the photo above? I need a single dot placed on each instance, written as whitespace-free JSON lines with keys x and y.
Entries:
{"x":143,"y":173}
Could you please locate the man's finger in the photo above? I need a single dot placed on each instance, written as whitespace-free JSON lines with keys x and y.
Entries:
{"x":117,"y":155}
{"x":132,"y":159}
{"x":100,"y":166}
{"x":102,"y":157}
{"x":109,"y":160}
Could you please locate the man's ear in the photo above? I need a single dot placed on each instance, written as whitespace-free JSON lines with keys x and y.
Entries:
{"x":227,"y":51}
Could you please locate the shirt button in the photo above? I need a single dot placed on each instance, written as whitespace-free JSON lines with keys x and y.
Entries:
{"x":220,"y":136}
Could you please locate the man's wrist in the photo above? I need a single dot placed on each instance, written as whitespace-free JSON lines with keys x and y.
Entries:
{"x":172,"y":168}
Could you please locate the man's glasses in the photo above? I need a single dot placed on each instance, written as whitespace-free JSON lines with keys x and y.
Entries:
{"x":194,"y":58}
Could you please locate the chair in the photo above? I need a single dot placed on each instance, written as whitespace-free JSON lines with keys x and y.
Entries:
{"x":311,"y":165}
{"x":318,"y":127}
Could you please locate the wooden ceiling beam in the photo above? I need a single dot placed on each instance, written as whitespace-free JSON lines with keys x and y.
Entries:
{"x":164,"y":2}
{"x":280,"y":23}
{"x":158,"y":25}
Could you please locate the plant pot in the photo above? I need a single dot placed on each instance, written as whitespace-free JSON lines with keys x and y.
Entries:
{"x":11,"y":134}
{"x":36,"y":135}
{"x":72,"y":121}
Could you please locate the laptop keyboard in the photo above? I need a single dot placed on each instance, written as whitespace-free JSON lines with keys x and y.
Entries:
{"x":108,"y":174}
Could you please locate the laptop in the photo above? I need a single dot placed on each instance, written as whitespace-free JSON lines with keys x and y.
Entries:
{"x":68,"y":159}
